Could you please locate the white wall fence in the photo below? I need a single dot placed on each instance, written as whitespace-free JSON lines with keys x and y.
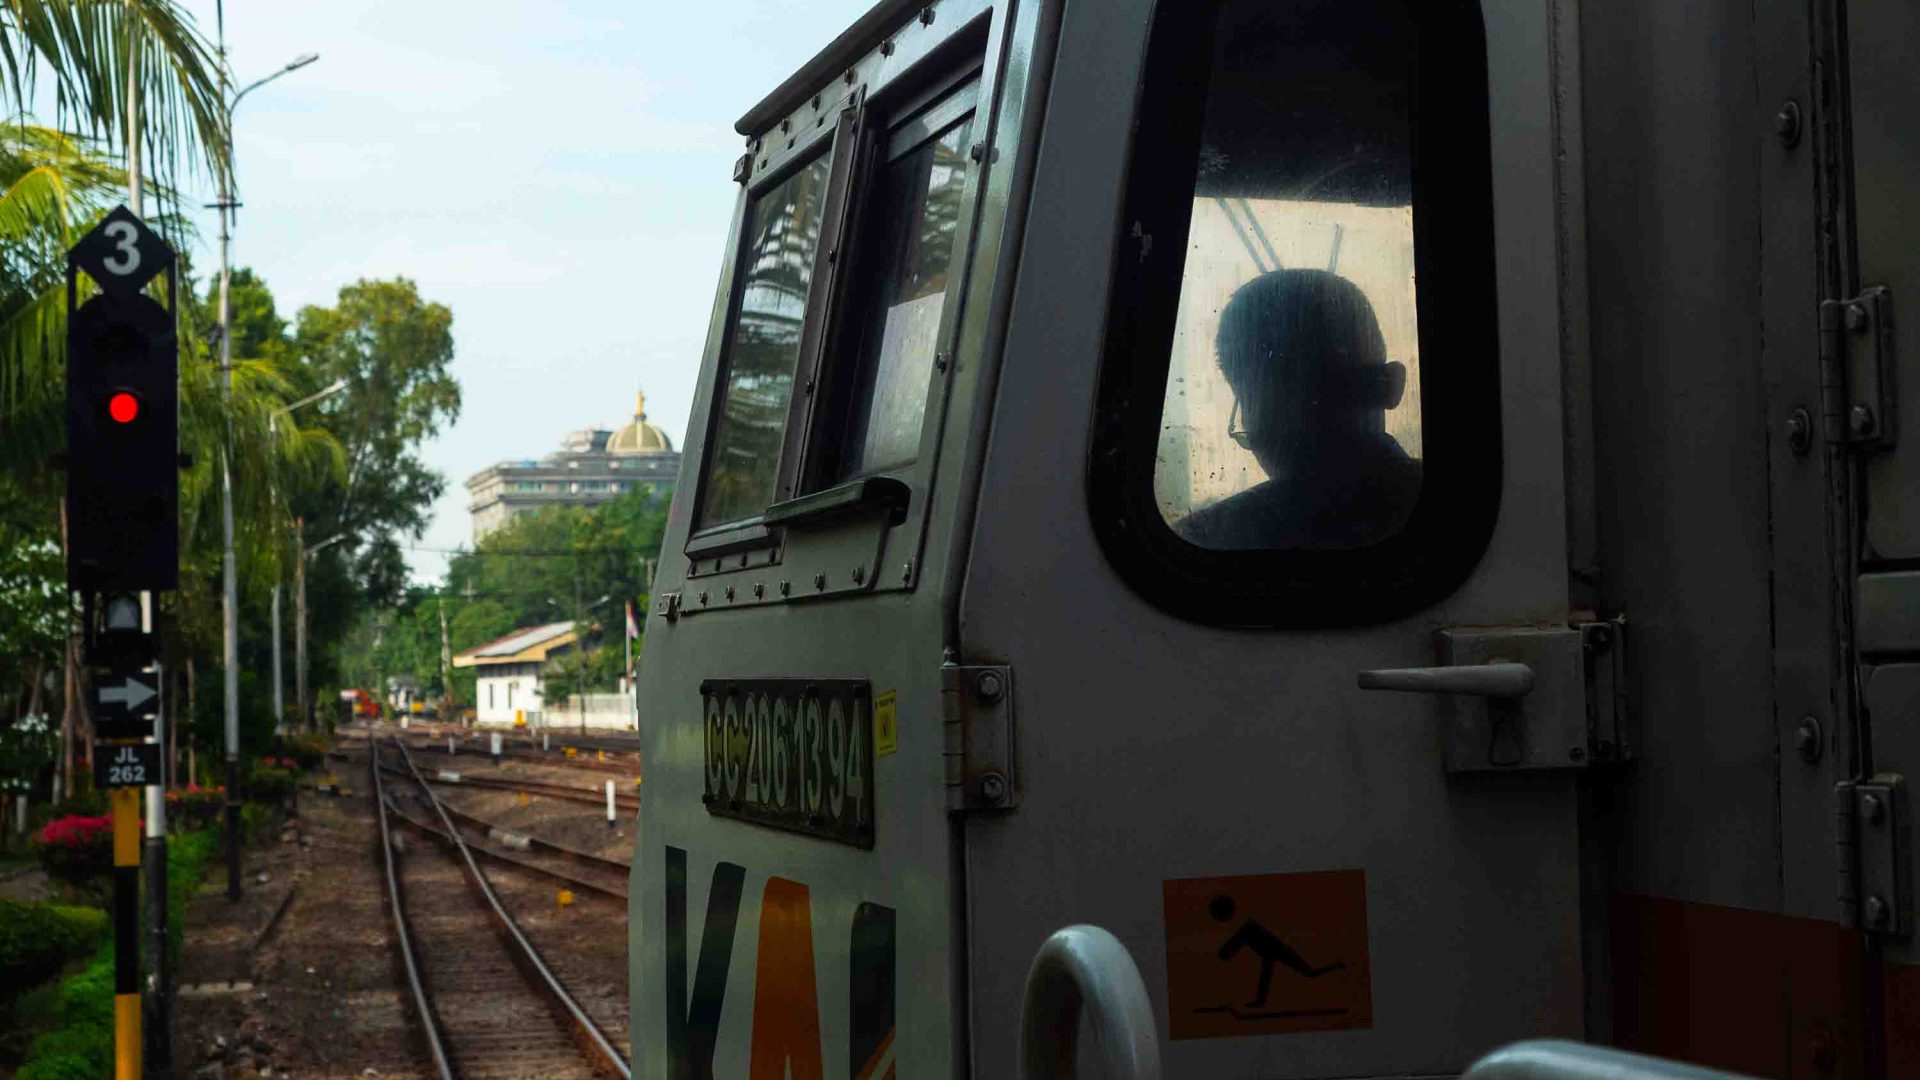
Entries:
{"x":596,"y":712}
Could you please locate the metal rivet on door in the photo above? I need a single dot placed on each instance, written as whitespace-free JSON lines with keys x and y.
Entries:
{"x":1786,"y":124}
{"x":1809,"y":740}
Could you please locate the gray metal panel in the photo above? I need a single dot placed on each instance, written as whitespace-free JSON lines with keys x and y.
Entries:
{"x":1892,"y":694}
{"x":852,"y":43}
{"x":1887,"y":616}
{"x":1152,"y":748}
{"x":1805,"y":615}
{"x":1671,"y":192}
{"x":893,"y":638}
{"x":1881,"y":36}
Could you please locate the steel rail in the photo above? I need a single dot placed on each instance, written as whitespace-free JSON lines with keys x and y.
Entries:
{"x":532,"y":755}
{"x":534,"y":787}
{"x":421,"y":1005}
{"x":585,"y":858}
{"x":510,"y":860}
{"x":594,"y":1041}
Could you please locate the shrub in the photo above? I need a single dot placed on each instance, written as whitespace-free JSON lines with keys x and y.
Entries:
{"x":81,"y":1048}
{"x":195,"y":807}
{"x":271,"y":782}
{"x":37,"y":940}
{"x":88,"y":801}
{"x":307,"y":751}
{"x":76,"y":849}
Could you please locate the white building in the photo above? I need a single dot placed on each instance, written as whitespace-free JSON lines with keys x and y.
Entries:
{"x":509,"y":671}
{"x":592,"y":466}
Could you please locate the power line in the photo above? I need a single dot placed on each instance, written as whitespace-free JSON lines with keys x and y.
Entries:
{"x":556,"y":554}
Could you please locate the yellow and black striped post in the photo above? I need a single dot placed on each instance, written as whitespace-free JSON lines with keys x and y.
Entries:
{"x":126,"y":933}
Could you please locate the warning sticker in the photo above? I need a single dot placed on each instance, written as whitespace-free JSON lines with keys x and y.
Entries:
{"x":886,"y":725}
{"x":1267,"y":954}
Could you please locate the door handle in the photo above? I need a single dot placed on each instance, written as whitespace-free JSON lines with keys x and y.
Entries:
{"x":1500,"y":679}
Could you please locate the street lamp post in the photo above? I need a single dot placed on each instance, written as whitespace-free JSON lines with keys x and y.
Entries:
{"x":279,"y":686}
{"x":229,"y":603}
{"x":300,"y":617}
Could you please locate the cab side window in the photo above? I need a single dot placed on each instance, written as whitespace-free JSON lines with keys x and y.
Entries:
{"x":889,"y":330}
{"x":1300,"y":396}
{"x":782,"y":237}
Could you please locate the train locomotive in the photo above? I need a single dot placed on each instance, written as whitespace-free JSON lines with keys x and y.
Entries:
{"x":1403,"y":514}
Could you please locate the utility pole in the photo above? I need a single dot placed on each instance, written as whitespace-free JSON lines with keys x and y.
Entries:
{"x":446,"y":658}
{"x":229,"y":599}
{"x":279,"y":692}
{"x":300,"y":624}
{"x":158,"y":1034}
{"x":229,"y":603}
{"x":579,"y":654}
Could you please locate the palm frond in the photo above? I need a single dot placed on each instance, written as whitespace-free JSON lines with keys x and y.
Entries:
{"x":85,"y":46}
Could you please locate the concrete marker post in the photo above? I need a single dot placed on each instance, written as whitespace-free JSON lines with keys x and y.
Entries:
{"x":494,"y":744}
{"x":610,"y":817}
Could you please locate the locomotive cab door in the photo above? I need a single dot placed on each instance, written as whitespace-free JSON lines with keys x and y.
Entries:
{"x":1268,"y":591}
{"x":1871,"y":346}
{"x":794,"y":908}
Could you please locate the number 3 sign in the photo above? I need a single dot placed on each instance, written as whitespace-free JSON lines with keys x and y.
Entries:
{"x":121,"y":254}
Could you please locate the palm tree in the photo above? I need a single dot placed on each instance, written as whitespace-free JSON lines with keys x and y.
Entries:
{"x":50,"y":183}
{"x":89,"y":49}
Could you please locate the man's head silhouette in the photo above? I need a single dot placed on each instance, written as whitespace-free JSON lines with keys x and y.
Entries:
{"x":1221,"y":907}
{"x":1308,"y":367}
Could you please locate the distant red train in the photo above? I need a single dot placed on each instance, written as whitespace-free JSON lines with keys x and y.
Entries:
{"x":360,"y":704}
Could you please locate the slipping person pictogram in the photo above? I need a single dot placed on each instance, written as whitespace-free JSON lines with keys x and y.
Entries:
{"x":1266,"y":945}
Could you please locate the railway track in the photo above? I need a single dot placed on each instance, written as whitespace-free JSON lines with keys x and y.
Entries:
{"x":472,"y":745}
{"x":449,"y":778}
{"x":483,"y":1013}
{"x":545,"y":858}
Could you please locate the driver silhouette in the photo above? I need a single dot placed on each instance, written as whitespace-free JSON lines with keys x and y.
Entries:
{"x":1312,"y":384}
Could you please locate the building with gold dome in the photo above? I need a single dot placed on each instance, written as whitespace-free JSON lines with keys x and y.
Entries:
{"x":592,"y":466}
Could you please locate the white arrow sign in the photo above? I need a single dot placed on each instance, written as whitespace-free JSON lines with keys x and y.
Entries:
{"x":129,"y":695}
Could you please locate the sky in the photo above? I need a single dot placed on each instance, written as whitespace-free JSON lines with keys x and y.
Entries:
{"x":556,"y":173}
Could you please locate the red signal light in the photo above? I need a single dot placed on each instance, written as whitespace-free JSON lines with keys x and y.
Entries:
{"x":123,"y":407}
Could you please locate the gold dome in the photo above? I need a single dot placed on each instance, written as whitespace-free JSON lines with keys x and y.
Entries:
{"x":639,"y":437}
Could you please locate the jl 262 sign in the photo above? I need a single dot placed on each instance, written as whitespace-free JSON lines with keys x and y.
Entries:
{"x":126,"y":765}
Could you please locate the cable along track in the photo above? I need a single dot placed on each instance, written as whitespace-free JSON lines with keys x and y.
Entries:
{"x":483,"y":1012}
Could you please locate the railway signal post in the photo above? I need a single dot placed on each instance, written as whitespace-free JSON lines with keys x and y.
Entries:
{"x":122,"y":464}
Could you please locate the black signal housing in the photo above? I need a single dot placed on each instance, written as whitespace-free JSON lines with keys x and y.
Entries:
{"x":123,"y":486}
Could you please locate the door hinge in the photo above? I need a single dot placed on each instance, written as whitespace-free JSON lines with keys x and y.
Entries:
{"x":1871,"y":831}
{"x":1603,"y":648}
{"x":1856,"y":347}
{"x":976,"y":713}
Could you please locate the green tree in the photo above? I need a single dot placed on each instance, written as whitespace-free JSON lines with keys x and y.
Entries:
{"x":34,"y":606}
{"x":394,"y":350}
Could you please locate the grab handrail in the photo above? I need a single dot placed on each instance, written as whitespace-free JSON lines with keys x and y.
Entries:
{"x":1086,"y":967}
{"x":1560,"y":1059}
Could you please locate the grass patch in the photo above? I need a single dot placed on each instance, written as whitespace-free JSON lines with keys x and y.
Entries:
{"x":37,"y":940}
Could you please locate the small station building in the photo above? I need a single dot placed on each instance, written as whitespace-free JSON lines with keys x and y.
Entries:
{"x":510,"y":671}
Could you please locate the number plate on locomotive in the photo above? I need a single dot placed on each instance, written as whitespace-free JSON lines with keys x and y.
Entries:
{"x":793,"y":754}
